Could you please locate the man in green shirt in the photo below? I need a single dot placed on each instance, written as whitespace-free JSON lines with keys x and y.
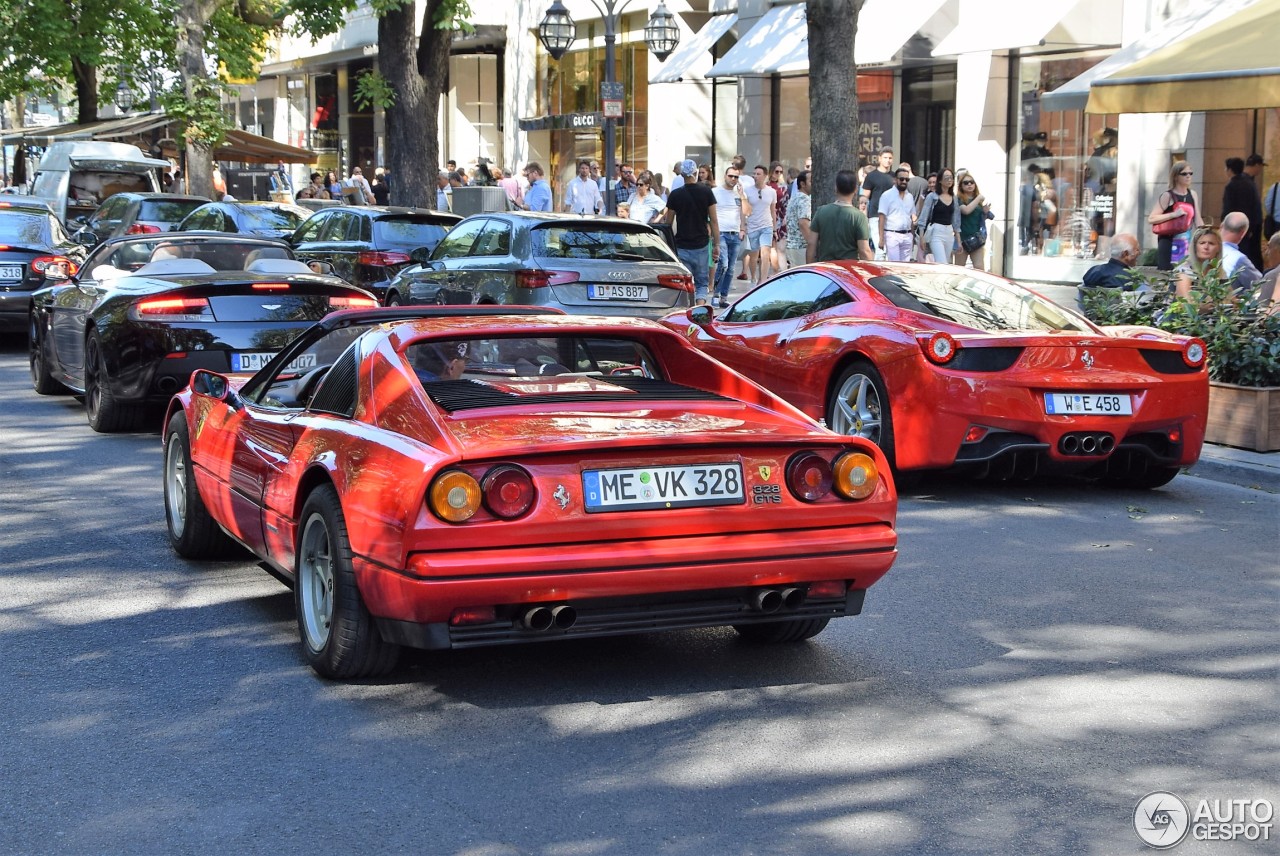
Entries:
{"x":842,"y":230}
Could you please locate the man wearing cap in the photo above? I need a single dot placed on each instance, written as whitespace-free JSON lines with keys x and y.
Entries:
{"x":693,"y":208}
{"x":1241,"y":194}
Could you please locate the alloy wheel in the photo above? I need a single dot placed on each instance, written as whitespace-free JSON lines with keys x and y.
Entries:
{"x":858,"y":409}
{"x":315,"y":582}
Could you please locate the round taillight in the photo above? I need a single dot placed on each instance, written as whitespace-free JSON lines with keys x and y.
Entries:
{"x":508,"y":491}
{"x":809,"y":476}
{"x":855,"y":475}
{"x":940,"y":348}
{"x":454,"y":496}
{"x":1193,"y":353}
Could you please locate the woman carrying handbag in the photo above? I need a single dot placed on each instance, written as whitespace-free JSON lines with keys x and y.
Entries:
{"x":1169,"y":217}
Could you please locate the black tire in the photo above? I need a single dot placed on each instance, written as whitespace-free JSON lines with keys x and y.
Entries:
{"x":1151,"y":478}
{"x":392,"y":299}
{"x":42,"y":381}
{"x":782,"y":632}
{"x":193,"y":534}
{"x":858,"y":406}
{"x":106,"y":413}
{"x":339,"y":638}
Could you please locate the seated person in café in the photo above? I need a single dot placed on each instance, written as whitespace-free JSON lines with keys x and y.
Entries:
{"x":1267,"y":295}
{"x":1116,"y":272}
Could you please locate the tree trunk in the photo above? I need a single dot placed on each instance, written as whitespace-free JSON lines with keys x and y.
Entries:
{"x":833,"y":93}
{"x":86,"y":78}
{"x":418,"y":73}
{"x":192,"y":17}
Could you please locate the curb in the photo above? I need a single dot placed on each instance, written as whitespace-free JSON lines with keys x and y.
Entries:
{"x":1237,"y":467}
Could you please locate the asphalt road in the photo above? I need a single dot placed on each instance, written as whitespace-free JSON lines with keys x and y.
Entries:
{"x":1041,"y":657}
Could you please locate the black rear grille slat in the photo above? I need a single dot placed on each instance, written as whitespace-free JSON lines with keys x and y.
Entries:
{"x":455,"y":395}
{"x":995,"y":359}
{"x":1167,"y":362}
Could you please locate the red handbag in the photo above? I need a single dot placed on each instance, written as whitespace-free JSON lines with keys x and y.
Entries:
{"x":1176,"y":225}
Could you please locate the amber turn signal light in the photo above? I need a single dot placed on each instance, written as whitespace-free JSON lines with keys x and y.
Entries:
{"x":454,"y":496}
{"x":855,"y":475}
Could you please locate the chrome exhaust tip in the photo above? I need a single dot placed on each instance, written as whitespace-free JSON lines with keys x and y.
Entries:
{"x":564,"y":616}
{"x":767,"y":601}
{"x":793,"y":598}
{"x":537,"y":619}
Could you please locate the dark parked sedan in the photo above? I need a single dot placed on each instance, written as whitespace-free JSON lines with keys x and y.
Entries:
{"x":148,"y":310}
{"x":136,"y":214}
{"x":260,"y":219}
{"x":34,"y":251}
{"x":582,"y":266}
{"x":368,"y":245}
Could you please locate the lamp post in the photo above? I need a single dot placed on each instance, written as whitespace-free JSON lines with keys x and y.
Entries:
{"x":557,"y":33}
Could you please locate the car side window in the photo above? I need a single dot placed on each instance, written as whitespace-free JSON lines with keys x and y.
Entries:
{"x":337,"y":228}
{"x":203,"y":219}
{"x":458,"y":242}
{"x":310,"y":230}
{"x":365,"y":229}
{"x":788,"y":296}
{"x":495,"y":240}
{"x":109,"y":213}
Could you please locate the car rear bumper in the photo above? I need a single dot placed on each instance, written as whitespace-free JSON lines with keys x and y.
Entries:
{"x":661,"y":583}
{"x":620,"y":617}
{"x":14,"y":308}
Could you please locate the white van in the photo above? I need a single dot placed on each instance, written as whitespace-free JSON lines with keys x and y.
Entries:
{"x":75,"y":177}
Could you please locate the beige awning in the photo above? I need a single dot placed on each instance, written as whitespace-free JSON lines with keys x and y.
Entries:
{"x":1231,"y":65}
{"x":239,"y":146}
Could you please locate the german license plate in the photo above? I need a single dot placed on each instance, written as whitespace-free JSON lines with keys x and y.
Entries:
{"x":251,"y":362}
{"x":1087,"y":404}
{"x":611,"y":291}
{"x":662,"y":487}
{"x":11,"y":272}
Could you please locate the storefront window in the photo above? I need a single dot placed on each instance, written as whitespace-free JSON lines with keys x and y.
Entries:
{"x":1067,"y":178}
{"x":791,"y":116}
{"x":572,"y":85}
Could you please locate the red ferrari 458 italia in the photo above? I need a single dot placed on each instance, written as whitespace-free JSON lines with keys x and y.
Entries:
{"x":448,"y":478}
{"x":949,"y":367}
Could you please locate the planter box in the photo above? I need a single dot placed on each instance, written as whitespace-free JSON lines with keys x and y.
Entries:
{"x":1244,"y":416}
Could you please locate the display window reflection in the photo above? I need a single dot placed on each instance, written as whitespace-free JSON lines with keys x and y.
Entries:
{"x":1066,"y":168}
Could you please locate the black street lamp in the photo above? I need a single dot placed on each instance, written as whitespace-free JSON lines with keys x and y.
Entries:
{"x":124,"y":97}
{"x":557,"y":33}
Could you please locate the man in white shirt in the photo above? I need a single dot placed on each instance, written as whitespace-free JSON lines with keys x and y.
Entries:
{"x":582,"y":195}
{"x":731,"y":204}
{"x":897,"y":216}
{"x":763,"y":212}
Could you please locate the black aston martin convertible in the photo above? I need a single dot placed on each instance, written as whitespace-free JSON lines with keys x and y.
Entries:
{"x":144,"y":312}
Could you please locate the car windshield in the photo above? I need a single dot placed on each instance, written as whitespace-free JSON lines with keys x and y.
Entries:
{"x":272,"y":217}
{"x":406,"y":232}
{"x":23,"y":228}
{"x":167,"y":210}
{"x":599,"y":241}
{"x":974,"y":300}
{"x":220,"y":254}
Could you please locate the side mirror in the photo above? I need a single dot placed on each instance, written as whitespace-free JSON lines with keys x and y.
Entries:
{"x":85,"y":238}
{"x":420,"y":255}
{"x":322,"y":268}
{"x":701,"y":315}
{"x":214,"y":385}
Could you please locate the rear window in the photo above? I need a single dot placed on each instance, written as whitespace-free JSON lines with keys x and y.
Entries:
{"x":600,"y":241}
{"x":23,"y":228}
{"x":167,"y":211}
{"x":406,"y":232}
{"x":981,"y":302}
{"x":261,"y":217}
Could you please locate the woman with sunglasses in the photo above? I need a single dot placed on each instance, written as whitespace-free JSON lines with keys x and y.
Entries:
{"x":778,"y":181}
{"x":974,"y":208}
{"x":939,"y":218}
{"x":646,"y":206}
{"x":1166,"y":209}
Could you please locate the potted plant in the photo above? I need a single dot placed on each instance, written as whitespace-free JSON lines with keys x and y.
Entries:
{"x":1241,"y":335}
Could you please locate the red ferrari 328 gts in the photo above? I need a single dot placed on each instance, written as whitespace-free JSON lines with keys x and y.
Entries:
{"x":949,"y":367}
{"x":448,"y":478}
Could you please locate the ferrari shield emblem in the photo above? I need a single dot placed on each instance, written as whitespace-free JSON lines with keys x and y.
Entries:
{"x":765,"y":472}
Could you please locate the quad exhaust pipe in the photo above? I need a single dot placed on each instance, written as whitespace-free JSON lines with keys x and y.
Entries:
{"x":1087,"y":443}
{"x":542,"y":618}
